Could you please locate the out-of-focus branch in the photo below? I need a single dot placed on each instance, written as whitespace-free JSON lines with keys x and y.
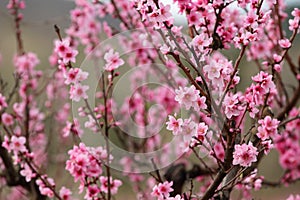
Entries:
{"x":290,"y":104}
{"x":179,"y":175}
{"x":17,"y":18}
{"x":224,"y":170}
{"x":117,"y":12}
{"x":235,"y":69}
{"x":13,"y":178}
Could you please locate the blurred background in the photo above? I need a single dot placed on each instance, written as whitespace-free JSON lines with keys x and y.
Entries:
{"x":38,"y":35}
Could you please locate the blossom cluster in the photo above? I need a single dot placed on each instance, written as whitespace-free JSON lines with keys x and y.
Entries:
{"x":244,"y":154}
{"x":85,"y":165}
{"x":288,"y":147}
{"x":180,"y":87}
{"x":163,"y":190}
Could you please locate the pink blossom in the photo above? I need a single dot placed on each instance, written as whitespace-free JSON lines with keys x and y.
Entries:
{"x":164,"y":49}
{"x":20,"y":4}
{"x":268,"y":128}
{"x":245,"y":38}
{"x":78,"y":91}
{"x":254,"y":97}
{"x":213,"y":70}
{"x":27,"y":173}
{"x":62,"y":47}
{"x":262,"y":133}
{"x":277,"y":67}
{"x":265,"y":81}
{"x":92,"y":191}
{"x":73,"y":128}
{"x":70,"y":56}
{"x":200,"y":104}
{"x":296,"y":13}
{"x":162,"y":190}
{"x":251,"y":18}
{"x":267,"y":145}
{"x":45,"y":190}
{"x":6,"y":143}
{"x":294,"y":197}
{"x":257,"y":184}
{"x":177,"y":197}
{"x":290,"y":159}
{"x":277,"y":58}
{"x":187,"y":96}
{"x":114,"y":184}
{"x":77,"y":165}
{"x":284,"y":43}
{"x":244,"y":154}
{"x":107,"y":29}
{"x":295,"y":124}
{"x":75,"y":75}
{"x":154,"y":17}
{"x":18,"y":144}
{"x":174,"y":125}
{"x":294,"y":24}
{"x":200,"y":42}
{"x":189,"y":129}
{"x":19,"y":109}
{"x":65,"y":51}
{"x":18,"y":131}
{"x":26,"y":63}
{"x":232,"y":105}
{"x":164,"y":13}
{"x":184,"y":146}
{"x":166,"y":97}
{"x":91,"y":124}
{"x":7,"y":119}
{"x":201,"y":131}
{"x":63,"y":114}
{"x":65,"y":193}
{"x":193,"y":18}
{"x":3,"y":103}
{"x":113,"y":61}
{"x":219,"y":151}
{"x":53,"y":59}
{"x":85,"y":162}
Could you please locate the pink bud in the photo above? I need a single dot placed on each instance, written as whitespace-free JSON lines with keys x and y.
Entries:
{"x":277,"y":67}
{"x":22,"y":5}
{"x":277,"y":57}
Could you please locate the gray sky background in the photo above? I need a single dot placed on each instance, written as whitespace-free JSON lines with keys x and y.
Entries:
{"x":37,"y":27}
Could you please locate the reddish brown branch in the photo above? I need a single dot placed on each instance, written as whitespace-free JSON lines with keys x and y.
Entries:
{"x":17,"y":20}
{"x":236,"y":65}
{"x":13,"y":178}
{"x":223,"y":171}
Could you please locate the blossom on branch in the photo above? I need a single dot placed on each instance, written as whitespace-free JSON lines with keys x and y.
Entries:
{"x":244,"y":154}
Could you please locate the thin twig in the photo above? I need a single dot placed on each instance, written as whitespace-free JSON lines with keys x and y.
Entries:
{"x":205,"y":165}
{"x":106,"y":127}
{"x":236,"y":65}
{"x":289,"y":120}
{"x":156,"y":171}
